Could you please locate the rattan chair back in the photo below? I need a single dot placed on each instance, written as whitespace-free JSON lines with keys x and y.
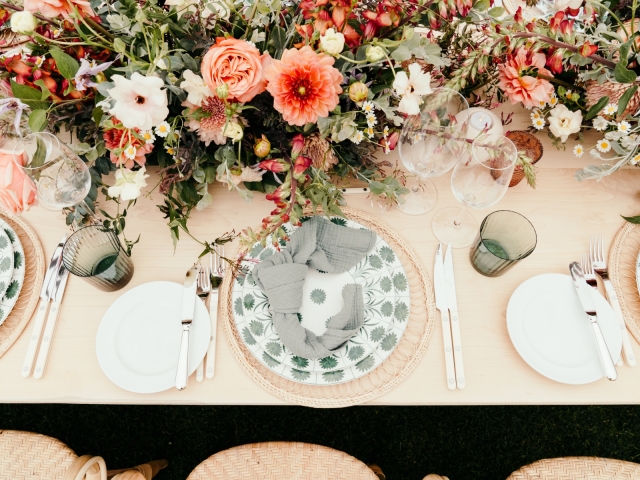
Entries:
{"x":578,"y":468}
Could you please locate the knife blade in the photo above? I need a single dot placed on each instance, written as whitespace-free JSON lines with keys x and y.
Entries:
{"x":441,"y":304}
{"x":452,"y":303}
{"x":188,"y":307}
{"x":60,"y":283}
{"x":584,"y":295}
{"x":46,"y":292}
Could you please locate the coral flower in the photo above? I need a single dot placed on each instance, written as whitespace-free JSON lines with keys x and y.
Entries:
{"x":119,"y":140}
{"x":518,"y":83}
{"x":304,"y":85}
{"x":59,"y":8}
{"x":17,"y":190}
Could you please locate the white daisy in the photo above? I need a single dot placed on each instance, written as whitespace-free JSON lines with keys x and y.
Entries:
{"x":170,"y":150}
{"x":163,"y":129}
{"x":417,"y":137}
{"x":624,"y":127}
{"x":635,"y":160}
{"x":148,"y":136}
{"x":370,"y":132}
{"x":553,"y":101}
{"x":578,"y":151}
{"x":371,"y":120}
{"x":368,"y":107}
{"x":611,"y":109}
{"x":539,"y":123}
{"x":603,"y":145}
{"x":600,"y":124}
{"x":130,"y":152}
{"x":385,"y":132}
{"x":357,"y":137}
{"x":536,"y":114}
{"x":542,"y":104}
{"x":39,"y":61}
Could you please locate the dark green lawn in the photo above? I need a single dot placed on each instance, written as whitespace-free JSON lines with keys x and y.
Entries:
{"x":464,"y":443}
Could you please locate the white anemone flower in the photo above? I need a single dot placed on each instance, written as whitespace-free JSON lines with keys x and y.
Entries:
{"x":411,"y":88}
{"x":140,"y":102}
{"x":128,"y":184}
{"x":195,"y":87}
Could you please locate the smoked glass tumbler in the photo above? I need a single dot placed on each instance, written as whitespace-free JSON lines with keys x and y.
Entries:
{"x":504,"y":238}
{"x":95,"y":254}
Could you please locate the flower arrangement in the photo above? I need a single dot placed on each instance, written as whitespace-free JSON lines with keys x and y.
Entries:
{"x":285,"y":97}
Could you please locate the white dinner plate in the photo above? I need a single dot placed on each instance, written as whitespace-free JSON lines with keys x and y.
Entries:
{"x":552,"y":333}
{"x":11,"y":293}
{"x":138,"y":340}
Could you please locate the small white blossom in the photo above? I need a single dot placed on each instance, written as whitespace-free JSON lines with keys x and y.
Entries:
{"x":148,"y":136}
{"x":635,"y":160}
{"x":130,"y":152}
{"x":624,"y":127}
{"x":368,"y":107}
{"x":357,"y":137}
{"x":385,"y":132}
{"x":163,"y":129}
{"x":603,"y":145}
{"x":600,"y":124}
{"x":611,"y":109}
{"x":578,"y":151}
{"x":370,"y":132}
{"x":539,"y":123}
{"x":371,"y":120}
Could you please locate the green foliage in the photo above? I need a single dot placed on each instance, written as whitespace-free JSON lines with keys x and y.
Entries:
{"x":597,"y":108}
{"x":66,"y":64}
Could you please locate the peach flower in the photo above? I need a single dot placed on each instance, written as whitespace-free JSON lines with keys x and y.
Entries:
{"x":518,"y":85}
{"x":304,"y":85}
{"x":17,"y":190}
{"x":59,"y":8}
{"x":239,"y":65}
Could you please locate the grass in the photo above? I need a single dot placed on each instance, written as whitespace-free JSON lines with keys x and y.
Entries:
{"x":463,"y":443}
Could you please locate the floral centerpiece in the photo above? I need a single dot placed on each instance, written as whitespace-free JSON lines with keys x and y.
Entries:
{"x":288,"y":97}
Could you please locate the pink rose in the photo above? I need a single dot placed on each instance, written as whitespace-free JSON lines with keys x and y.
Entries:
{"x":59,"y":8}
{"x":238,"y":64}
{"x":17,"y":190}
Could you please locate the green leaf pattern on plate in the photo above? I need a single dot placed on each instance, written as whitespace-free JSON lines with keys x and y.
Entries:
{"x":386,"y":300}
{"x":5,"y":264}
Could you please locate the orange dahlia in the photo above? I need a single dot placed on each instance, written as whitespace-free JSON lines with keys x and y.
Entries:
{"x":304,"y":85}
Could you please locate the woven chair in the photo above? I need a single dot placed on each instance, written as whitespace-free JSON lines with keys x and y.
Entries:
{"x":282,"y":461}
{"x":31,"y":456}
{"x":578,"y":468}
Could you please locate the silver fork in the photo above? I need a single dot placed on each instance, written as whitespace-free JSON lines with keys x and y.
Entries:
{"x":218,"y":267}
{"x":596,"y":252}
{"x":203,"y":291}
{"x":589,"y":274}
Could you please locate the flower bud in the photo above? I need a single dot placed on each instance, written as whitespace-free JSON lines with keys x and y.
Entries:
{"x":23,"y":22}
{"x":332,"y":42}
{"x":302,"y":163}
{"x":262,"y":147}
{"x":275,"y":166}
{"x":358,"y":92}
{"x":222,"y":91}
{"x":297,"y":145}
{"x":374,"y":54}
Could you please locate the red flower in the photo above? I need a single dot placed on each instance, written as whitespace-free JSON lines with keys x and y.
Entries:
{"x":302,"y":163}
{"x":391,"y":141}
{"x":586,"y":50}
{"x":555,"y":21}
{"x":275,"y":166}
{"x":297,"y":145}
{"x":4,"y":16}
{"x":351,"y":37}
{"x":566,"y":27}
{"x":554,"y":62}
{"x":277,"y":195}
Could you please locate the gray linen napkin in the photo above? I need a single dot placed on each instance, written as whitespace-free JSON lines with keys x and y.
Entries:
{"x":322,"y":245}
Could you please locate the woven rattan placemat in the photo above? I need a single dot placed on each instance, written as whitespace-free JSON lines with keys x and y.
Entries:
{"x":17,"y":320}
{"x":622,"y":272}
{"x":392,"y":371}
{"x":280,"y":461}
{"x":578,"y":468}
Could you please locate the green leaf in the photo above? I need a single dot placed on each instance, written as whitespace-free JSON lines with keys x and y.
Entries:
{"x":624,"y":99}
{"x":597,"y":108}
{"x":38,"y":120}
{"x":278,"y":38}
{"x":67,"y":65}
{"x":624,"y":53}
{"x":634,"y":220}
{"x":623,"y":74}
{"x":28,"y":95}
{"x":97,"y":115}
{"x":45,"y":90}
{"x":401,"y":54}
{"x":496,"y":12}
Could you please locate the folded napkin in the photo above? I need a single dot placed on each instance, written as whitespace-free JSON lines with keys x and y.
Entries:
{"x":327,"y":247}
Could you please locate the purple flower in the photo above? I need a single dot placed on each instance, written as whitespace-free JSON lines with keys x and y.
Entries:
{"x":7,"y":104}
{"x":86,"y":71}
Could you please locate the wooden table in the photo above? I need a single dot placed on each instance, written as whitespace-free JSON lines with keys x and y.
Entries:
{"x":563,"y":211}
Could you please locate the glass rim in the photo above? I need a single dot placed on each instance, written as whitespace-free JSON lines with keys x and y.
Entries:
{"x":485,"y":135}
{"x":102,"y":229}
{"x":520,"y":257}
{"x":35,"y":135}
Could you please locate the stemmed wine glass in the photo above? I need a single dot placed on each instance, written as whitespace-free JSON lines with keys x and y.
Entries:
{"x":61,"y":177}
{"x":479,"y":180}
{"x":430,"y":145}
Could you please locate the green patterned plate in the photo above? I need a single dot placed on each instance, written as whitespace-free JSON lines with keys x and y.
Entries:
{"x":386,"y":298}
{"x":6,"y":258}
{"x":14,"y":283}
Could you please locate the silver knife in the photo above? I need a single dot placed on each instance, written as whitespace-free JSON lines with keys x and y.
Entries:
{"x":188,"y":307}
{"x":441,"y":304}
{"x":584,"y":294}
{"x":43,"y":305}
{"x":60,"y":284}
{"x":452,"y":303}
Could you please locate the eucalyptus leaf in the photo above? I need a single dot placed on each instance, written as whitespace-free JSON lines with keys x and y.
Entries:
{"x":597,"y":108}
{"x":623,"y":74}
{"x":624,"y":99}
{"x":401,"y":54}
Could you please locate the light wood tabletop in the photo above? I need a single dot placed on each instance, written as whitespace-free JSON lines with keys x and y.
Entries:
{"x":564,"y":212}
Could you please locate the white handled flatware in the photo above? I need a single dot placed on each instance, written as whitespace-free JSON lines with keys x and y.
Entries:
{"x":584,"y":294}
{"x":43,"y":305}
{"x":204,"y":292}
{"x":441,"y":304}
{"x":217,"y":262}
{"x":452,"y":303}
{"x":50,"y":325}
{"x":188,"y":308}
{"x":596,"y":252}
{"x":355,"y":190}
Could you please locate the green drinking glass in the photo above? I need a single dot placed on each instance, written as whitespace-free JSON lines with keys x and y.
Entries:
{"x":95,"y":254}
{"x":504,"y":239}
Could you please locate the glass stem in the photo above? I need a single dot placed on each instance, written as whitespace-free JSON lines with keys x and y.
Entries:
{"x":457,"y":223}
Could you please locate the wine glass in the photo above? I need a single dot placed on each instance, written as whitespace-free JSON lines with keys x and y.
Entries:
{"x":430,"y":144}
{"x":479,"y":180}
{"x":62,"y":179}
